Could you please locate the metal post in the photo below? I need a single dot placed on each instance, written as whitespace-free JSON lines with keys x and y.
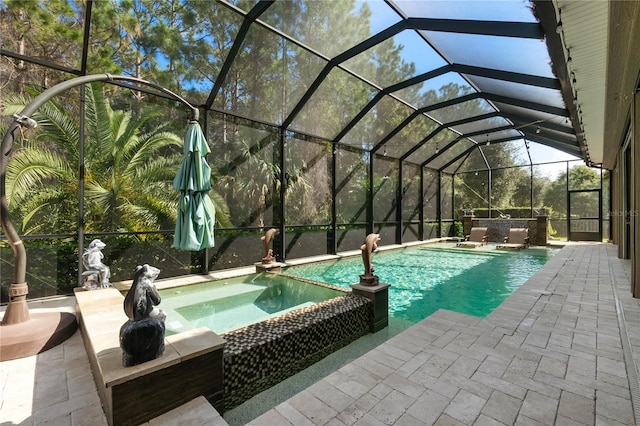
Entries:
{"x":421,"y":213}
{"x":370,"y":196}
{"x":81,"y":174}
{"x":399,"y":201}
{"x":531,"y":189}
{"x":453,"y":197}
{"x":568,"y":204}
{"x":283,"y":190}
{"x":333,"y":243}
{"x":439,"y":206}
{"x":489,"y":183}
{"x":600,"y":207}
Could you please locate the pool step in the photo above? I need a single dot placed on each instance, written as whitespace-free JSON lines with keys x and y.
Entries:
{"x":222,"y":308}
{"x":234,"y":318}
{"x":204,"y":304}
{"x":223,"y":316}
{"x":198,"y":411}
{"x":195,"y":294}
{"x":181,"y":300}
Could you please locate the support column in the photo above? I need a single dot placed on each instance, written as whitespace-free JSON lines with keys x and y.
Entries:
{"x":379,"y":296}
{"x":542,"y":231}
{"x":280,"y":241}
{"x":399,"y":202}
{"x":332,"y":238}
{"x":635,"y":201}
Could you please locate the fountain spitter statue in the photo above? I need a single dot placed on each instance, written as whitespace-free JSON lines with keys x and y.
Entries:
{"x":369,"y":246}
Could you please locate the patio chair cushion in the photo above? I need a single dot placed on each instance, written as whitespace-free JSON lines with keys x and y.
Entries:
{"x":518,"y":236}
{"x":478,"y":235}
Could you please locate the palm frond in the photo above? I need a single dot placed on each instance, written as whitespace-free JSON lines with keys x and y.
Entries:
{"x":99,"y":116}
{"x":32,"y":168}
{"x":222,"y":209}
{"x":55,"y":124}
{"x":150,"y":145}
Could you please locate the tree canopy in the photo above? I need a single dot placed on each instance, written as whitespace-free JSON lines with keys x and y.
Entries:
{"x":182,"y":45}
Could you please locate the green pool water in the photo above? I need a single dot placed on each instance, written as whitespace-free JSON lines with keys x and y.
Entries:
{"x":423,"y":279}
{"x":438,"y":276}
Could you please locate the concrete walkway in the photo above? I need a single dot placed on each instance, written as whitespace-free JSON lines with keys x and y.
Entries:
{"x":555,"y":352}
{"x":552,"y":353}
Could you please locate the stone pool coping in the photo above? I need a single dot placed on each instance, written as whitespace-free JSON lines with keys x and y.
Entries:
{"x":164,"y":283}
{"x":136,"y":394}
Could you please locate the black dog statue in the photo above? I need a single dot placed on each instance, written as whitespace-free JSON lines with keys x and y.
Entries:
{"x":142,"y":336}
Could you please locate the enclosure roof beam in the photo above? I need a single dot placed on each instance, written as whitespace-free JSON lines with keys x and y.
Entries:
{"x":253,"y":14}
{"x":441,"y":151}
{"x":527,"y":79}
{"x":546,"y":124}
{"x":457,"y":157}
{"x":85,"y":40}
{"x":395,"y":131}
{"x":461,"y":163}
{"x":465,"y":136}
{"x":497,"y":98}
{"x":445,"y":126}
{"x":468,"y":120}
{"x":514,"y":77}
{"x":399,"y":86}
{"x":468,"y":151}
{"x":572,"y":149}
{"x":495,"y":28}
{"x":38,"y":61}
{"x":490,"y":28}
{"x":475,"y":144}
{"x":344,"y":56}
{"x":558,"y":139}
{"x":419,"y":111}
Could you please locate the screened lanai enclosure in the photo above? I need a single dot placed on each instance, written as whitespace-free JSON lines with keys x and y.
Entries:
{"x":326,"y":120}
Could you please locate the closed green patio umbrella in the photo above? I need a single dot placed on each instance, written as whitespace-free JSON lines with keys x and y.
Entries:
{"x":196,"y":213}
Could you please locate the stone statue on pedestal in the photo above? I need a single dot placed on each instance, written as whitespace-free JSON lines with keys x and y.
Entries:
{"x":267,"y":238}
{"x":369,"y":246}
{"x":96,"y":274}
{"x":142,"y":336}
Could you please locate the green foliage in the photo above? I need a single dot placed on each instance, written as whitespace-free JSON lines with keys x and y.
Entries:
{"x":127,"y":181}
{"x":458,"y":229}
{"x":132,"y":149}
{"x":580,"y":177}
{"x":52,"y":264}
{"x":550,"y":214}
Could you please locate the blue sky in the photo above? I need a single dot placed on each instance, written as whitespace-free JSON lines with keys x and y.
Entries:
{"x":425,"y":59}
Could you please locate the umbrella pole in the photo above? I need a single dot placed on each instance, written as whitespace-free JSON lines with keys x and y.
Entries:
{"x":17,"y":310}
{"x":24,"y":334}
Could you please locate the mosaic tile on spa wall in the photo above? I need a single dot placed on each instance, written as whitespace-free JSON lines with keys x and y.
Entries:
{"x":261,"y":355}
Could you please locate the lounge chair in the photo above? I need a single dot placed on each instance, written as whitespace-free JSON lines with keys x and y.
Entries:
{"x":517,"y":239}
{"x":477,"y":237}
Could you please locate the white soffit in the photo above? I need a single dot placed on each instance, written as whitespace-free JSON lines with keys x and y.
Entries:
{"x":585,"y":37}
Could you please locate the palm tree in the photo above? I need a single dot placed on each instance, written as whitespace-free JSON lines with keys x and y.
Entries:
{"x":128,"y":171}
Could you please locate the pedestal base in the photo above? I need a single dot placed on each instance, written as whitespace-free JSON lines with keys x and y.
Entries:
{"x":379,"y":296}
{"x":369,"y":280}
{"x":269,"y":267}
{"x":40,"y":333}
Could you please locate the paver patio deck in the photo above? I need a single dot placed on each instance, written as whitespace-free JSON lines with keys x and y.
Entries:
{"x":563,"y":349}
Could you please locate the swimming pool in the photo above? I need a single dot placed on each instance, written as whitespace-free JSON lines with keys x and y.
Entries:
{"x":229,"y":304}
{"x":437,"y":276}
